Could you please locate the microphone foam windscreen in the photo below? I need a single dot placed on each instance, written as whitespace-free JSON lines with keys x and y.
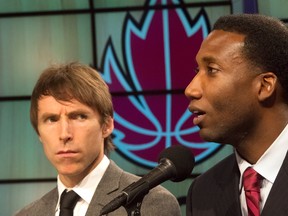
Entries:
{"x":182,"y":158}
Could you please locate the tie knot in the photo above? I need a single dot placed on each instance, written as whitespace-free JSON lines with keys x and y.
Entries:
{"x":251,"y":180}
{"x":68,"y":199}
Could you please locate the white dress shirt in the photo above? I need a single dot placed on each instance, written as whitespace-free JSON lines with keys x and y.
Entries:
{"x":85,"y":189}
{"x":267,"y":166}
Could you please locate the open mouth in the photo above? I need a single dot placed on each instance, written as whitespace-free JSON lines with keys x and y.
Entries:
{"x":198,"y":117}
{"x":198,"y":113}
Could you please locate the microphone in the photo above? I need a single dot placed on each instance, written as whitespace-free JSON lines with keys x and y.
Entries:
{"x":175,"y":163}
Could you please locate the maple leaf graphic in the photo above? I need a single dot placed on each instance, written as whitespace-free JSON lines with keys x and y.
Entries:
{"x":159,"y":55}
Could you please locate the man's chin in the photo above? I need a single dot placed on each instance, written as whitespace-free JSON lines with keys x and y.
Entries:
{"x":210,"y":136}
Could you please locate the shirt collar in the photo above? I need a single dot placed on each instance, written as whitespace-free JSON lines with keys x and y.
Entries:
{"x":86,"y":188}
{"x":270,"y":162}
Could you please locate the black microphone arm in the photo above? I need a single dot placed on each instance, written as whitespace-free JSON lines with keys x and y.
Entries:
{"x":175,"y":163}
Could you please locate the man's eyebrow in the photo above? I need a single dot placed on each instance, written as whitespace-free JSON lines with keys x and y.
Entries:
{"x":74,"y":112}
{"x":78,"y":111}
{"x":209,"y":59}
{"x":206,"y":59}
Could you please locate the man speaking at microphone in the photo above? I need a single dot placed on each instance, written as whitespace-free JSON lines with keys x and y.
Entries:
{"x":239,"y":97}
{"x":72,"y":113}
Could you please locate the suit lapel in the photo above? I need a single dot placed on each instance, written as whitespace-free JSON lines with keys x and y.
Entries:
{"x":110,"y":182}
{"x":228,"y":181}
{"x":277,"y":201}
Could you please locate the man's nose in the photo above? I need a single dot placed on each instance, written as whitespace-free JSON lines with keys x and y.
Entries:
{"x":66,"y":130}
{"x":194,"y":90}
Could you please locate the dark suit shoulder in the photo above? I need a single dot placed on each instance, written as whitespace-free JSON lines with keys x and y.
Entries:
{"x":219,"y":171}
{"x":215,"y":192}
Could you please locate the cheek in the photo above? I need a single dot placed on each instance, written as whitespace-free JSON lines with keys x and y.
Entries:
{"x":49,"y":149}
{"x":49,"y":140}
{"x":93,"y":150}
{"x":233,"y":112}
{"x":229,"y":96}
{"x":48,"y":134}
{"x":93,"y":139}
{"x":219,"y":99}
{"x":227,"y":104}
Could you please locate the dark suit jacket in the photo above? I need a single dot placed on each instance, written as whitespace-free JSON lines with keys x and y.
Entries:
{"x":157,"y":202}
{"x":216,"y":192}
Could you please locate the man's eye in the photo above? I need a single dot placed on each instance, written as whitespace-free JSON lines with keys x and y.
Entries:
{"x":79,"y":116}
{"x":51,"y":119}
{"x":212,"y":70}
{"x":82,"y":116}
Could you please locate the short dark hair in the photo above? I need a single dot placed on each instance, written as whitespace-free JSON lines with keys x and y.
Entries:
{"x":74,"y":81}
{"x":265,"y":43}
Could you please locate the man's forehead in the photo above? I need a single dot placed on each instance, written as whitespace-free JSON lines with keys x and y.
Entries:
{"x":218,"y":43}
{"x":47,"y":102}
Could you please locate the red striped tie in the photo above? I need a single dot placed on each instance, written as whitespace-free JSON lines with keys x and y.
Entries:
{"x":251,"y":183}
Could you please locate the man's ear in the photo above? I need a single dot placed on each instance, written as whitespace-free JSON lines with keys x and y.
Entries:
{"x":267,"y":87}
{"x":108,"y":127}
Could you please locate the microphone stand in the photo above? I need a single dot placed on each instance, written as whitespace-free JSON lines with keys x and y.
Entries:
{"x":134,"y":200}
{"x":133,"y":209}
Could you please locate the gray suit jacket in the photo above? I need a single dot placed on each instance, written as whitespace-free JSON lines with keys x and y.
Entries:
{"x":158,"y":201}
{"x":216,"y":192}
